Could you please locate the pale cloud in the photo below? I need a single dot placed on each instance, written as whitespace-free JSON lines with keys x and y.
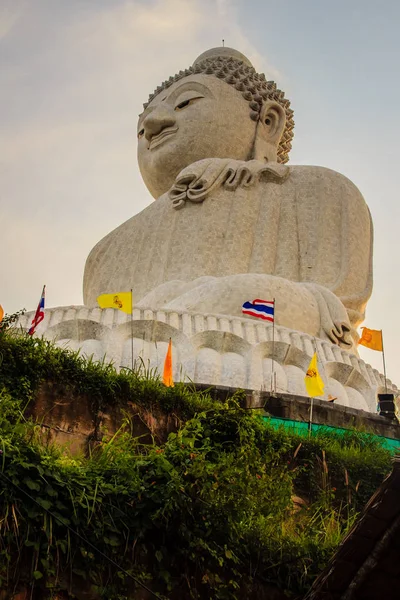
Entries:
{"x":235,"y":37}
{"x":145,"y":40}
{"x":10,"y":13}
{"x":75,"y":80}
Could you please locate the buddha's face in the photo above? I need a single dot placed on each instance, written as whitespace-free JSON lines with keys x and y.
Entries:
{"x":197,"y":117}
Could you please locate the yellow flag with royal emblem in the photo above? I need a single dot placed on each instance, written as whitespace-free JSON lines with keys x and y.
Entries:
{"x":120,"y":301}
{"x":371,"y":338}
{"x":314,"y":383}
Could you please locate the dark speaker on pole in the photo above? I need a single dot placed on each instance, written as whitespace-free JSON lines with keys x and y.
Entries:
{"x":387,"y":407}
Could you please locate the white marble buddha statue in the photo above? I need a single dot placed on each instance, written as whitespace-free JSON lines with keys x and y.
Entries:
{"x":231,"y":221}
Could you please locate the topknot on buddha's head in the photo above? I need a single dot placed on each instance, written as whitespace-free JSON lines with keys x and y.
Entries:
{"x":235,"y":69}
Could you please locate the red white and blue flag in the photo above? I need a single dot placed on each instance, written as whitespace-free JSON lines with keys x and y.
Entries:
{"x":39,"y":315}
{"x":263,"y":309}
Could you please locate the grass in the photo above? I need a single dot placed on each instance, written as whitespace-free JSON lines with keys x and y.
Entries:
{"x":29,"y":362}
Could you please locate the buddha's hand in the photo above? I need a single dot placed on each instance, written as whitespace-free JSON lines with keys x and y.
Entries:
{"x":340,"y":334}
{"x":335,"y":323}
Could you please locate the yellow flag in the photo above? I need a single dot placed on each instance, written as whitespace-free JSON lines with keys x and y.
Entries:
{"x":167,"y":375}
{"x":120,"y":300}
{"x":314,"y":383}
{"x":1,"y":313}
{"x":371,"y":338}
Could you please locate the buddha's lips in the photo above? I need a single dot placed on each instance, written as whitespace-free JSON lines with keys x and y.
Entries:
{"x":156,"y":140}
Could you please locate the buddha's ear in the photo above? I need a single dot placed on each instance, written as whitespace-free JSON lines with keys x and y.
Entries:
{"x":269,"y":131}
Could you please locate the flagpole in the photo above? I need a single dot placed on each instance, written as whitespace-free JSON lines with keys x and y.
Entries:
{"x":273,"y":385}
{"x":310,"y":417}
{"x":132,"y":327}
{"x":384,"y":362}
{"x":322,"y":364}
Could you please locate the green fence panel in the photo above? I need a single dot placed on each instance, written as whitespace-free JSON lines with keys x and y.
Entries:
{"x":303,"y":428}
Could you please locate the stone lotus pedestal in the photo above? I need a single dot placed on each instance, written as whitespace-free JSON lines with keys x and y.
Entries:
{"x":215,"y":350}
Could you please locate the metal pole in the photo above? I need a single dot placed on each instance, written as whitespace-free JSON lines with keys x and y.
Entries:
{"x":384,"y":362}
{"x":322,"y":364}
{"x":311,"y":416}
{"x":273,"y":383}
{"x":132,"y":327}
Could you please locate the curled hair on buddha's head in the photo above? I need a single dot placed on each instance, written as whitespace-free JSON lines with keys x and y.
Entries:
{"x":254,"y":87}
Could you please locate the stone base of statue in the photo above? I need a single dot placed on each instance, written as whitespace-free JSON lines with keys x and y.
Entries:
{"x":214,"y":349}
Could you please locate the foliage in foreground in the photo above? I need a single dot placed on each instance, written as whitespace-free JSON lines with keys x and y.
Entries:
{"x":208,"y":514}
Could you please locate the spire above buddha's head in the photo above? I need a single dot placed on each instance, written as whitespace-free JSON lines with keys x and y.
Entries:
{"x":238,"y":114}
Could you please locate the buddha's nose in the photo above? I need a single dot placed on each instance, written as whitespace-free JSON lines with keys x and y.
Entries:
{"x":160,"y":118}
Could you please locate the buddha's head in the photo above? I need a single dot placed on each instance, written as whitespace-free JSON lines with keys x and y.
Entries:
{"x":218,"y":108}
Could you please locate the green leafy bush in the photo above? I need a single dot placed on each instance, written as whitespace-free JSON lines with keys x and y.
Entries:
{"x":208,"y":514}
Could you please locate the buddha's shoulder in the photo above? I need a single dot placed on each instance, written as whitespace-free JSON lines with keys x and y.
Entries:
{"x":328,"y":180}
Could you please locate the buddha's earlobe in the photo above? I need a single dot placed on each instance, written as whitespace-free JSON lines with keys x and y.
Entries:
{"x":270,"y":128}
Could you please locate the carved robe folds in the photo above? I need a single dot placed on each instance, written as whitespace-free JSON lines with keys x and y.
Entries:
{"x":231,"y":231}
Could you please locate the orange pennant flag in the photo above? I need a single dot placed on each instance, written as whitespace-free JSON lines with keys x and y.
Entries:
{"x":1,"y":313}
{"x":167,"y":375}
{"x":371,"y":338}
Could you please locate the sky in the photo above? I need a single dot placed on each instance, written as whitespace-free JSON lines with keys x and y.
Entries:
{"x":74,"y":75}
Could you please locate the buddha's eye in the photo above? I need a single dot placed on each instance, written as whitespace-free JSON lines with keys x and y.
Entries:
{"x":186,"y":103}
{"x":140,"y":133}
{"x":182,"y":105}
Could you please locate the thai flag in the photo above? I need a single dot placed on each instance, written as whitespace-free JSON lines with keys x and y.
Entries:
{"x":263,"y":309}
{"x":39,"y":315}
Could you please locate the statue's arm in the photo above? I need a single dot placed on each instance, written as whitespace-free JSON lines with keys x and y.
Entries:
{"x":340,"y":238}
{"x":354,"y":287}
{"x":107,"y":264}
